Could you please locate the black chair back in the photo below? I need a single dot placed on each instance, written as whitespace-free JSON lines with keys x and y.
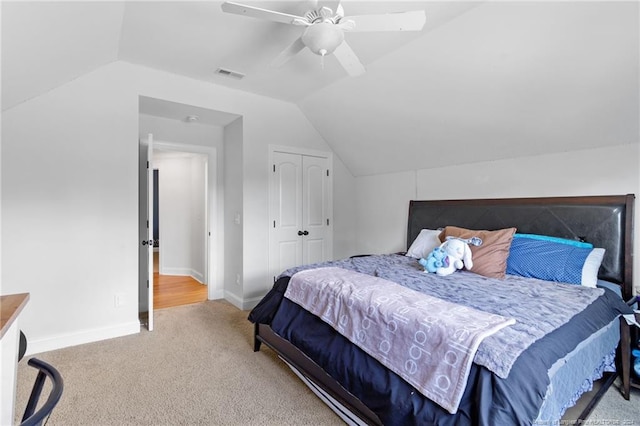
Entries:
{"x":32,"y":417}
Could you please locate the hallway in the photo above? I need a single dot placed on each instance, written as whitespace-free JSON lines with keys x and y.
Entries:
{"x":175,"y":290}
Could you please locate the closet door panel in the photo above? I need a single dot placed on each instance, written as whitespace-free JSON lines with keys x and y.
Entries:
{"x":288,"y":255}
{"x":314,"y":250}
{"x":289,"y":188}
{"x":315,"y":208}
{"x":286,"y":213}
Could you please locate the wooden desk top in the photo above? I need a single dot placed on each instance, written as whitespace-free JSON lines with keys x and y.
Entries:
{"x":10,"y":307}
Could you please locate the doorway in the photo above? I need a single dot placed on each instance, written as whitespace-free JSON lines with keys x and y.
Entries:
{"x":188,"y":223}
{"x":188,"y":128}
{"x":180,"y":249}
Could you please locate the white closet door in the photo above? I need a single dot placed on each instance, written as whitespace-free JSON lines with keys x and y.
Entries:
{"x":300,"y":211}
{"x":286,"y":212}
{"x":315,"y":214}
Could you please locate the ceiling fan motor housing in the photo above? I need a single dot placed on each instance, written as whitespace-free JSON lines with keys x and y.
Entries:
{"x":323,"y":38}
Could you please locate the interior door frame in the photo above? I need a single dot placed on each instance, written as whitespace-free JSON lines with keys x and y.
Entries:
{"x":214,"y":227}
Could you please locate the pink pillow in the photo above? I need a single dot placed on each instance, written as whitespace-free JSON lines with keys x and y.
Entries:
{"x":490,"y":258}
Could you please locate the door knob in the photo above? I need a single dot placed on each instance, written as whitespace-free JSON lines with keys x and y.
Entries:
{"x":300,"y":233}
{"x":305,"y":233}
{"x":145,"y":242}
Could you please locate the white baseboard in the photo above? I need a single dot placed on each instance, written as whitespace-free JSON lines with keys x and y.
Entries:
{"x":233,"y":299}
{"x":249,"y":304}
{"x":242,"y":304}
{"x":198,"y":276}
{"x":37,"y":346}
{"x":215,"y":294}
{"x":185,"y":272}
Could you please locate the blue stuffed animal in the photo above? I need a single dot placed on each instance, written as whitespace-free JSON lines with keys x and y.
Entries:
{"x":636,"y":362}
{"x":435,"y":260}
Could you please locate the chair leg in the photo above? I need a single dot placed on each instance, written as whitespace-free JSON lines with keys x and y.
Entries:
{"x":35,"y":396}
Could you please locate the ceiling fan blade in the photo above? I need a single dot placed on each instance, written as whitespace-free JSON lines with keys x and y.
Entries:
{"x":403,"y":21}
{"x":256,"y":12}
{"x":348,"y":59}
{"x":346,"y":24}
{"x":288,"y":53}
{"x":331,"y":4}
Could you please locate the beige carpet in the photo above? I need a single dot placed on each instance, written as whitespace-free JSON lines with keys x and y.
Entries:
{"x":198,"y":368}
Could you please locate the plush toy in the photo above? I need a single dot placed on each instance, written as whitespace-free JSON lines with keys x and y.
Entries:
{"x":434,"y":261}
{"x":636,"y":362}
{"x":457,"y":254}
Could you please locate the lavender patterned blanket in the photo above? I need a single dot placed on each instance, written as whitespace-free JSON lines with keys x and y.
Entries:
{"x":391,"y":323}
{"x":539,"y":307}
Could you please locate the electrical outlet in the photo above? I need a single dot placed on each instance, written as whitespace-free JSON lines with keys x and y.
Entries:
{"x":118,"y":300}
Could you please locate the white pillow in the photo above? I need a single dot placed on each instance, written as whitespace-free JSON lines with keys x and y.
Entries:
{"x":591,"y":267}
{"x":426,"y":241}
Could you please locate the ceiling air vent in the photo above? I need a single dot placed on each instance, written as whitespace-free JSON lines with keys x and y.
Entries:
{"x":228,"y":73}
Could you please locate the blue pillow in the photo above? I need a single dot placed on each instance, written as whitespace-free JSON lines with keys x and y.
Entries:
{"x":555,"y":239}
{"x":554,"y":261}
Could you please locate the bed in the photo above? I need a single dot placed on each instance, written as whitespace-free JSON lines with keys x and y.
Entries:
{"x":531,"y":384}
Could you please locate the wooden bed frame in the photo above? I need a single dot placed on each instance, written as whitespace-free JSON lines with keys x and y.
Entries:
{"x":605,"y":221}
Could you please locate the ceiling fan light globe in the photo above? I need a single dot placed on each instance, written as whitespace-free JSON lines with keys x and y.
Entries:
{"x":323,"y":38}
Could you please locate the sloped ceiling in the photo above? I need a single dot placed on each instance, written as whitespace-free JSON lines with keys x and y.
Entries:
{"x":501,"y":81}
{"x":46,"y":44}
{"x":483,"y":80}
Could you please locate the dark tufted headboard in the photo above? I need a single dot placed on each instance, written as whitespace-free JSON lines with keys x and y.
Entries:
{"x":604,"y":221}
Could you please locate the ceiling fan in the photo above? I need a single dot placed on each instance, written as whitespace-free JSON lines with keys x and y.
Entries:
{"x":324,"y":29}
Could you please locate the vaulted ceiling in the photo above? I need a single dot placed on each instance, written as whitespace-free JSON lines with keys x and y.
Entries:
{"x":481,"y":81}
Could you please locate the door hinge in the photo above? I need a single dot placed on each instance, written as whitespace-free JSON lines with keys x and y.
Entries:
{"x":147,"y":164}
{"x":327,"y":222}
{"x":274,"y":223}
{"x":147,"y":224}
{"x":327,"y":172}
{"x":274,"y":168}
{"x":147,"y":283}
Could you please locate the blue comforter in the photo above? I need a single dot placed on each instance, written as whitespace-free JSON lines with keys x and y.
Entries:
{"x":488,"y":399}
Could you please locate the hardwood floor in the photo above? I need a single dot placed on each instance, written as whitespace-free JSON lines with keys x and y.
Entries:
{"x":175,"y":290}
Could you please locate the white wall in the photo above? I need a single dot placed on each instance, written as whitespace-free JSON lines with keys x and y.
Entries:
{"x":70,"y":208}
{"x":233,"y":209}
{"x":383,"y":200}
{"x":70,"y":198}
{"x":174,"y":176}
{"x":181,"y":132}
{"x":382,"y":211}
{"x":181,"y":179}
{"x":344,"y":211}
{"x":198,"y":170}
